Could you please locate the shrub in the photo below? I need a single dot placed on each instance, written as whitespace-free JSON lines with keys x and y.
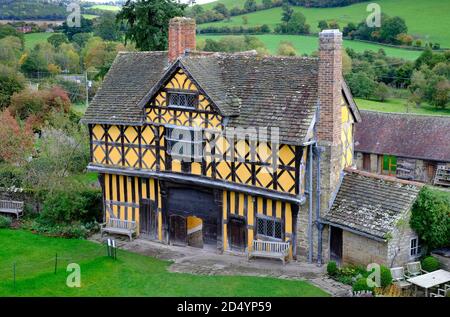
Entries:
{"x":429,"y":218}
{"x":67,"y":206}
{"x":11,"y":176}
{"x":430,"y":264}
{"x":385,"y":276}
{"x":361,"y":285}
{"x":5,"y":222}
{"x":73,"y":230}
{"x":332,"y":268}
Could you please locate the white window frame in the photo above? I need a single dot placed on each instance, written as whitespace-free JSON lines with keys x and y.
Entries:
{"x":414,"y":251}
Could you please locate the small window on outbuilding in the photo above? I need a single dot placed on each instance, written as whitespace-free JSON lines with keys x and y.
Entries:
{"x":415,"y":249}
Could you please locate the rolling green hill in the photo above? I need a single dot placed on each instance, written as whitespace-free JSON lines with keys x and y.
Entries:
{"x":308,"y":44}
{"x":426,"y":19}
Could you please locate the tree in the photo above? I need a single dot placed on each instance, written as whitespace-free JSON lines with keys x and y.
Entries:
{"x":86,"y":26}
{"x":267,"y":4}
{"x":222,"y":9}
{"x":147,"y":21}
{"x":10,"y":82}
{"x":297,"y":24}
{"x":287,"y":13}
{"x":286,"y":49}
{"x":39,"y":58}
{"x":391,"y":28}
{"x":106,"y":27}
{"x":361,"y":84}
{"x":16,"y":140}
{"x":57,"y":39}
{"x":8,"y":30}
{"x":81,"y":39}
{"x":323,"y":25}
{"x":250,"y":5}
{"x":10,"y":50}
{"x":381,"y":92}
{"x":430,"y":218}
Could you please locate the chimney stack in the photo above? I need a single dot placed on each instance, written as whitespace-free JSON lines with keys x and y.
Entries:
{"x":330,"y":86}
{"x":181,"y":37}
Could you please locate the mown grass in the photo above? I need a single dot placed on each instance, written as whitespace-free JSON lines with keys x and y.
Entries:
{"x":31,"y":39}
{"x":130,"y":275}
{"x":399,"y":105}
{"x":308,"y":44}
{"x":426,"y":19}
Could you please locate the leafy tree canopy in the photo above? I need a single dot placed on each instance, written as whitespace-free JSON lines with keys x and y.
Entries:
{"x":147,"y":21}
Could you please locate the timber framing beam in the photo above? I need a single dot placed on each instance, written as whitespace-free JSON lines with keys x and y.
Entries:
{"x":195,"y":180}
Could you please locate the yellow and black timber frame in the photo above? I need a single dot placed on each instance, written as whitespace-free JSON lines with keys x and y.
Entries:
{"x":240,"y":188}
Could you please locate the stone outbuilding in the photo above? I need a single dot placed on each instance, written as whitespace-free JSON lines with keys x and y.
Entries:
{"x":369,"y":220}
{"x":408,"y":146}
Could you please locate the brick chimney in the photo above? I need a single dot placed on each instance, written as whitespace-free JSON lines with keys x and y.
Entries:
{"x":330,"y":116}
{"x":181,"y":36}
{"x":330,"y":86}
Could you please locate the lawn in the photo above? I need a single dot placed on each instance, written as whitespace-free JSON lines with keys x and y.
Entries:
{"x":308,"y":44}
{"x":426,"y":19}
{"x":31,"y":39}
{"x":130,"y":275}
{"x":398,"y":105}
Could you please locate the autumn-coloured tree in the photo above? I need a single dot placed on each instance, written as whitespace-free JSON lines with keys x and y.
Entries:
{"x":39,"y":103}
{"x":16,"y":140}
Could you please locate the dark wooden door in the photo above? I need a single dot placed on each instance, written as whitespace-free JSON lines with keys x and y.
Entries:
{"x":366,"y":162}
{"x":147,"y":219}
{"x":336,"y":244}
{"x":237,"y":233}
{"x":178,"y":230}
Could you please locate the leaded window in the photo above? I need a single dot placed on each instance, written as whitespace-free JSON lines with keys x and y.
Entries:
{"x":182,"y":100}
{"x":269,"y":227}
{"x":185,"y":143}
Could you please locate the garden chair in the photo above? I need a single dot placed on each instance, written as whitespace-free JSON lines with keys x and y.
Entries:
{"x":398,"y":277}
{"x":414,"y":269}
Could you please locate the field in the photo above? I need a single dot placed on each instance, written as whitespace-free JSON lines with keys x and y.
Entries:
{"x":426,"y":19}
{"x":105,"y":7}
{"x":130,"y":275}
{"x":398,"y":105}
{"x":90,"y":16}
{"x":31,"y":39}
{"x":308,"y":44}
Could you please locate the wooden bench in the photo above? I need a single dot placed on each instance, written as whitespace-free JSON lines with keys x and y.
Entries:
{"x":117,"y":226}
{"x":12,"y":207}
{"x":269,"y":249}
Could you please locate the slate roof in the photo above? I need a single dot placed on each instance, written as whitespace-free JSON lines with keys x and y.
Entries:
{"x":404,"y":135}
{"x":371,"y":204}
{"x":251,"y":91}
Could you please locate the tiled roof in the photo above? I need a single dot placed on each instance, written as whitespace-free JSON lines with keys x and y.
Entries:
{"x":371,"y":204}
{"x":130,"y":77}
{"x":251,"y":91}
{"x":405,"y":135}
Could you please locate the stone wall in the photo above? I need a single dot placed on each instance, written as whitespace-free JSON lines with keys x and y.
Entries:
{"x":360,"y":250}
{"x":400,"y":244}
